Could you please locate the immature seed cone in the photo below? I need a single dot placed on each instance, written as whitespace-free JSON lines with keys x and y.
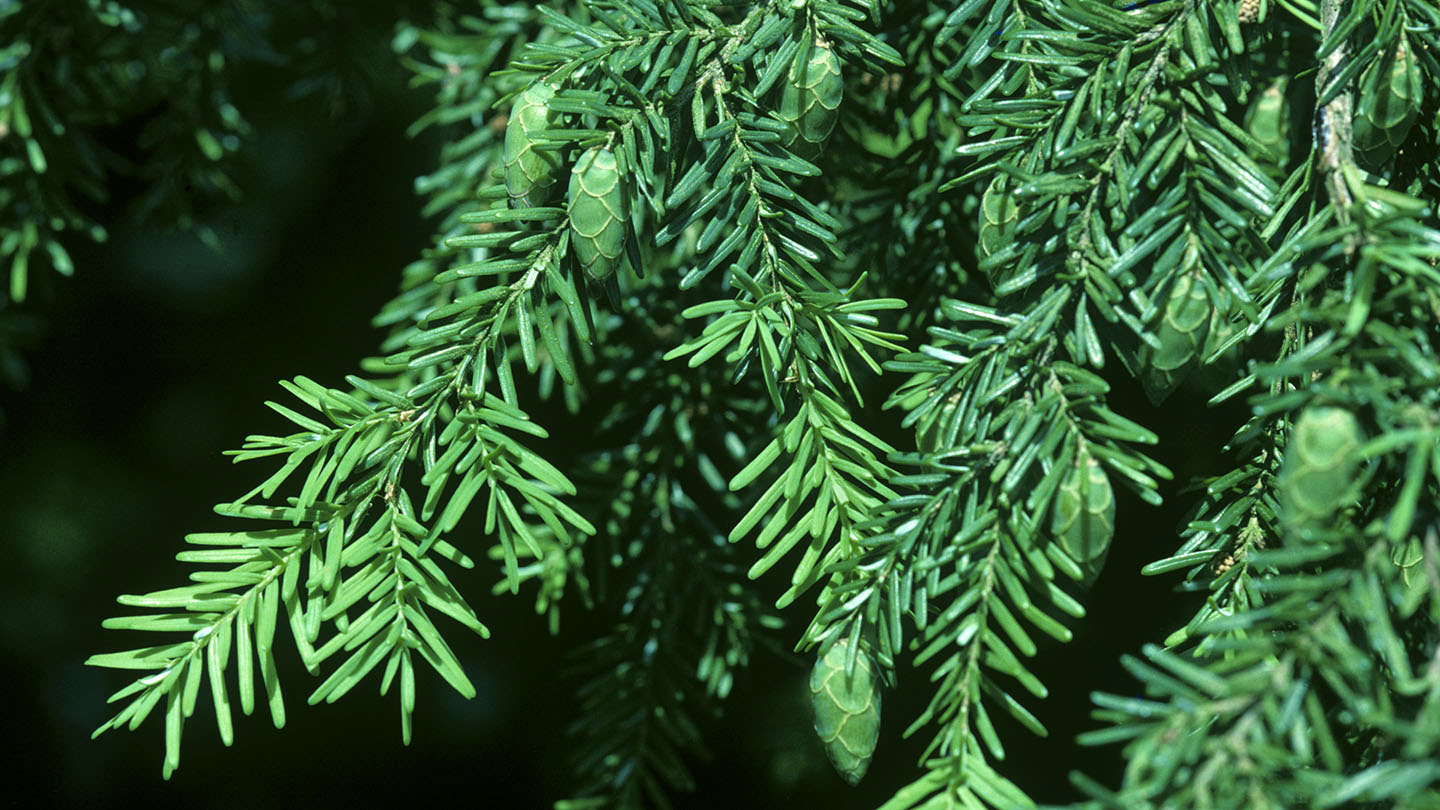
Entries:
{"x":529,"y":172}
{"x":810,"y":100}
{"x":1267,"y":120}
{"x":597,"y":212}
{"x":1182,"y":332}
{"x":1082,"y":518}
{"x":999,"y":212}
{"x":847,"y":709}
{"x":1386,"y":107}
{"x":1223,"y":370}
{"x":1318,"y":472}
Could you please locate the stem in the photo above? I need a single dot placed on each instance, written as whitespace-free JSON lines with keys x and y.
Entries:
{"x":1333,"y":119}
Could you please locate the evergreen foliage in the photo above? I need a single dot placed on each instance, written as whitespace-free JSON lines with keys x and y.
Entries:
{"x":787,"y":225}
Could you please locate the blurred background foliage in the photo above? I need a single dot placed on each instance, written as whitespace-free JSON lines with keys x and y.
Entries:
{"x":126,"y":380}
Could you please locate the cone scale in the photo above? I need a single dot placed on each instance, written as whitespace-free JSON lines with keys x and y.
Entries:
{"x":810,"y":100}
{"x":847,"y":709}
{"x":529,"y":172}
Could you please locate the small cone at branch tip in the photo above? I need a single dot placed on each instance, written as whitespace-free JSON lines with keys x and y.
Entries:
{"x":810,"y":100}
{"x":1221,"y":371}
{"x":1268,"y":121}
{"x":1318,"y":471}
{"x":597,"y":212}
{"x":847,"y":709}
{"x":1082,"y":517}
{"x":999,"y":213}
{"x":1386,"y":106}
{"x":1182,"y":332}
{"x":529,"y":172}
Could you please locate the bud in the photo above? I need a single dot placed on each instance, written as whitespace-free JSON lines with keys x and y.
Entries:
{"x":847,"y":709}
{"x":597,"y":212}
{"x":529,"y":172}
{"x":810,"y":100}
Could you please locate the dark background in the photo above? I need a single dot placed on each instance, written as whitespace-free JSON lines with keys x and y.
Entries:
{"x":158,"y":356}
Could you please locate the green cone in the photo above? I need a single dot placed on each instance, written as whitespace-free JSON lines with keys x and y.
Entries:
{"x":847,"y":709}
{"x":529,"y":172}
{"x":810,"y":100}
{"x":1224,"y":369}
{"x":1386,"y":107}
{"x":1182,"y":333}
{"x":999,"y":212}
{"x":1319,"y":467}
{"x":597,"y":212}
{"x":1268,"y":122}
{"x":1082,"y":518}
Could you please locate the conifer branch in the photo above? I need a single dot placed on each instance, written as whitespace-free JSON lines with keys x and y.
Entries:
{"x":685,"y":624}
{"x":1063,"y":184}
{"x":440,"y":409}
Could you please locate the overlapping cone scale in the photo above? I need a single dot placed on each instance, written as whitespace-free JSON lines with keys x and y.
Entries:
{"x":529,"y":172}
{"x":1386,"y":106}
{"x":597,"y":212}
{"x":810,"y":100}
{"x":847,"y":709}
{"x":1182,"y":332}
{"x":1082,"y":517}
{"x":1318,"y":471}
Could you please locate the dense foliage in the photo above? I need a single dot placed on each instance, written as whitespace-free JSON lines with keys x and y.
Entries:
{"x":739,"y":241}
